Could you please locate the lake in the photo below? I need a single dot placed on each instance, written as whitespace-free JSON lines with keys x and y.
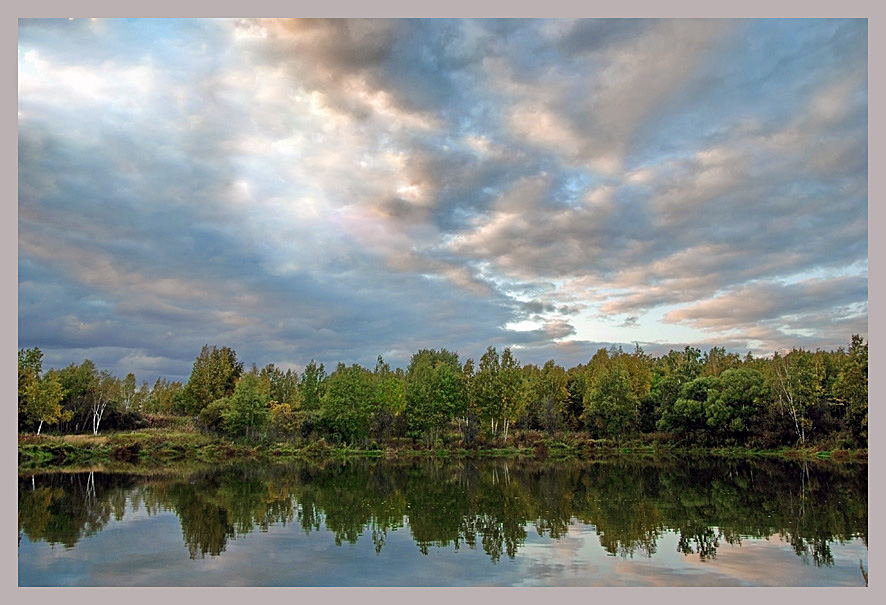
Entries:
{"x":628,"y":522}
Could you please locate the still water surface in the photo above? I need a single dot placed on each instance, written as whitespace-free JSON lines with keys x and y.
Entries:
{"x":432,"y":523}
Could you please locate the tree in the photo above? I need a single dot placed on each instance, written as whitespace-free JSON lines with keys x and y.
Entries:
{"x":282,"y":386}
{"x":390,"y":398}
{"x":717,"y":360}
{"x":734,"y":404}
{"x":30,"y":366}
{"x":435,"y":391}
{"x":499,"y":390}
{"x":796,"y":383}
{"x":548,"y":395}
{"x":312,"y":385}
{"x":467,"y":421}
{"x":669,"y":374}
{"x":44,"y":399}
{"x":687,"y":417}
{"x":349,"y":402}
{"x":213,"y":376}
{"x":851,"y":389}
{"x":513,"y":389}
{"x":576,"y":386}
{"x":611,"y":405}
{"x":133,"y":397}
{"x":102,"y":394}
{"x":248,"y":410}
{"x":485,"y":391}
{"x":77,"y":381}
{"x":162,"y":396}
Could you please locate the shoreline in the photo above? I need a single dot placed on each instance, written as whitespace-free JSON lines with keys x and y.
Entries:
{"x":158,"y":449}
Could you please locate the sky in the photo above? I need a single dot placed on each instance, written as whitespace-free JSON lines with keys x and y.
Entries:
{"x":342,"y":189}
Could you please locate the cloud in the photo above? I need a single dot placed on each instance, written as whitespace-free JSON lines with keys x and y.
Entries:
{"x":773,"y":313}
{"x":337,"y":189}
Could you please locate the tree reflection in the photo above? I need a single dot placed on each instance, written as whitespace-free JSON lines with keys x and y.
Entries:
{"x":486,"y":505}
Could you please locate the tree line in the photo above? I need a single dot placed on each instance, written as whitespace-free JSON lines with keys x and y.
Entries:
{"x":688,"y":397}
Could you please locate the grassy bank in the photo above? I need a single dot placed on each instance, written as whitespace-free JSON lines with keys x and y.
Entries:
{"x":156,"y":447}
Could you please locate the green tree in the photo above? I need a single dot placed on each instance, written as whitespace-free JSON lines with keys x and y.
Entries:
{"x":513,"y":390}
{"x":795,"y":381}
{"x":349,"y":402}
{"x":44,"y":399}
{"x":717,"y":360}
{"x":30,"y":367}
{"x":499,"y":390}
{"x":611,"y":405}
{"x":312,"y":385}
{"x":282,"y":386}
{"x":248,"y":411}
{"x":435,"y":391}
{"x":576,"y":387}
{"x":212,"y":417}
{"x":161,"y":397}
{"x":213,"y":376}
{"x":687,"y":417}
{"x":851,"y":389}
{"x":669,"y":374}
{"x":485,"y":389}
{"x":133,"y":397}
{"x":734,"y":404}
{"x":468,"y":422}
{"x":390,"y":398}
{"x":103,"y":391}
{"x":548,"y":396}
{"x":77,"y":381}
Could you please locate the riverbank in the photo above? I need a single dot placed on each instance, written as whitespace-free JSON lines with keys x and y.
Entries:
{"x":158,"y":447}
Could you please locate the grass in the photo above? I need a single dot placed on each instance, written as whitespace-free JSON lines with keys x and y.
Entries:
{"x":177,"y":441}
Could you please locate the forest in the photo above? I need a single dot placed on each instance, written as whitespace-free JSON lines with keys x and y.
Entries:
{"x":687,"y":398}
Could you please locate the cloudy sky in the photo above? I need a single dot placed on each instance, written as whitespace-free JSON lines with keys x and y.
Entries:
{"x":341,"y":189}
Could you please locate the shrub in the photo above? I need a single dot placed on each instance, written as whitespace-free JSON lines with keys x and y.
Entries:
{"x":211,"y":418}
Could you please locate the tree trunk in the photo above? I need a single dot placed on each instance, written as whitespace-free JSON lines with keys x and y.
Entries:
{"x":97,"y":413}
{"x":786,"y":395}
{"x":39,"y":426}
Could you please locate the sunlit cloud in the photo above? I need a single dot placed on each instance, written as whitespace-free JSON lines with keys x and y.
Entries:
{"x":336,"y":189}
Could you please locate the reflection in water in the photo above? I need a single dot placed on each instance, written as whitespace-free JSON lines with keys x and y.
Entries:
{"x":485,"y":505}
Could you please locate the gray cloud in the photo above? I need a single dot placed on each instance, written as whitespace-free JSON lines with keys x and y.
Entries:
{"x":338,"y":189}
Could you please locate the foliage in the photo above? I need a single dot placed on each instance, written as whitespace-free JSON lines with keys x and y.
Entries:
{"x":213,"y":376}
{"x":43,"y":401}
{"x":248,"y":411}
{"x":162,"y":397}
{"x":611,"y":403}
{"x":548,"y":396}
{"x":312,"y":385}
{"x":349,"y":403}
{"x":715,"y":398}
{"x":499,"y":390}
{"x":212,"y":416}
{"x":851,"y":389}
{"x":282,"y":386}
{"x":435,"y":391}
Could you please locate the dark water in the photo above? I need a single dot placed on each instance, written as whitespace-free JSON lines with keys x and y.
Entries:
{"x":432,"y":523}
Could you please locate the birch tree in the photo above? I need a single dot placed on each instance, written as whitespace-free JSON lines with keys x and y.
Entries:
{"x":513,"y":390}
{"x":44,"y":401}
{"x":102,"y":393}
{"x":794,"y":385}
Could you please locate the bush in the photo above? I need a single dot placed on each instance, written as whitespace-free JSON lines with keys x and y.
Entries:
{"x":123,"y":421}
{"x":211,"y":418}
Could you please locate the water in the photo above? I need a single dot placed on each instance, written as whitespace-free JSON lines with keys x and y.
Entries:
{"x":432,"y":523}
